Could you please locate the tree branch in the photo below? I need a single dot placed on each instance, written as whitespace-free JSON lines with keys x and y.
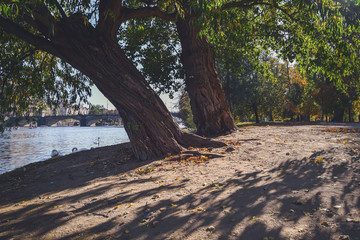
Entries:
{"x":112,"y":14}
{"x":39,"y":42}
{"x":109,"y":23}
{"x":61,"y":10}
{"x":144,"y":12}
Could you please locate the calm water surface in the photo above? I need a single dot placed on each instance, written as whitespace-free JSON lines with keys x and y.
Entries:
{"x":24,"y":146}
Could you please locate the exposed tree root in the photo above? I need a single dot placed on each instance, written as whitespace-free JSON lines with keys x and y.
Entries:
{"x":192,"y":140}
{"x":197,"y":153}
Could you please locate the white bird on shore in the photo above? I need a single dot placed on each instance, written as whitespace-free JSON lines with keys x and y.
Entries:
{"x":75,"y":149}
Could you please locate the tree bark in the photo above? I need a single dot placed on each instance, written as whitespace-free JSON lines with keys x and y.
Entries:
{"x":271,"y":115}
{"x":338,"y":115}
{"x":210,"y":107}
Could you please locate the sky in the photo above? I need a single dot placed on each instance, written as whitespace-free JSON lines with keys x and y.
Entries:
{"x":97,"y":98}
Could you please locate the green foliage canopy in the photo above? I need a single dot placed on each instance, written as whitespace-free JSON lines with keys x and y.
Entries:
{"x":247,"y":27}
{"x":154,"y":46}
{"x":313,"y":30}
{"x":97,"y":110}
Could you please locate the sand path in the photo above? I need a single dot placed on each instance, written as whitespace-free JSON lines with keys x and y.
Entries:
{"x":280,"y":182}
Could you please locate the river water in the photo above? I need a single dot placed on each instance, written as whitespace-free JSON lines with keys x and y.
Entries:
{"x":23,"y":146}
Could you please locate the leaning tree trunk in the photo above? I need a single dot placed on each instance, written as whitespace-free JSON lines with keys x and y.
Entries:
{"x":149,"y":125}
{"x":210,"y":107}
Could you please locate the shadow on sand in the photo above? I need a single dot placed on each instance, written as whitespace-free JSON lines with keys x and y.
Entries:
{"x":234,"y":207}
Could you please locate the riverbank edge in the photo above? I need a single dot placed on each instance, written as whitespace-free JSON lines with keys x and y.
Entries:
{"x":21,"y":171}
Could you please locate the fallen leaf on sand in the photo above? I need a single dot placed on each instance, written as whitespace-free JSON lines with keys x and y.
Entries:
{"x":201,"y":209}
{"x":227,"y":212}
{"x":324,"y":224}
{"x":210,"y":228}
{"x":352,"y":220}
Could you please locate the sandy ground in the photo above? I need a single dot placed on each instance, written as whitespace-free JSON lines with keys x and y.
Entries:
{"x":280,"y":182}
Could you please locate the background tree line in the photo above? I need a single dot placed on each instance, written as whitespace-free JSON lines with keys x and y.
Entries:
{"x":283,"y":91}
{"x":279,"y":91}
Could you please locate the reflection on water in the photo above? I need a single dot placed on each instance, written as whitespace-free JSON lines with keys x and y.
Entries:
{"x":24,"y":146}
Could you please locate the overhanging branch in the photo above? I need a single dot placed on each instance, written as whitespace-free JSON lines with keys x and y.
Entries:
{"x":38,"y":42}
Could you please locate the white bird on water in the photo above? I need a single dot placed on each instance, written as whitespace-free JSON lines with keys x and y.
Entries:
{"x":98,"y":141}
{"x":55,"y":153}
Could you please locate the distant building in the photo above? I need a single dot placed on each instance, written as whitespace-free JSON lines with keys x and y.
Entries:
{"x":47,"y":112}
{"x":112,"y":111}
{"x":65,"y":110}
{"x":83,"y":110}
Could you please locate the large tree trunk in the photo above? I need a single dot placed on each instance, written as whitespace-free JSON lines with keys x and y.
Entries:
{"x":210,"y":108}
{"x":149,"y":125}
{"x":271,"y":114}
{"x":338,"y":115}
{"x":350,"y":111}
{"x":256,"y":112}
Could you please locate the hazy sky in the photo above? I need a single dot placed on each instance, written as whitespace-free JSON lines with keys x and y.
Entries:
{"x":98,"y":98}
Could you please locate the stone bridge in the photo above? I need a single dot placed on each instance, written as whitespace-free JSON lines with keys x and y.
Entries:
{"x":85,"y":120}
